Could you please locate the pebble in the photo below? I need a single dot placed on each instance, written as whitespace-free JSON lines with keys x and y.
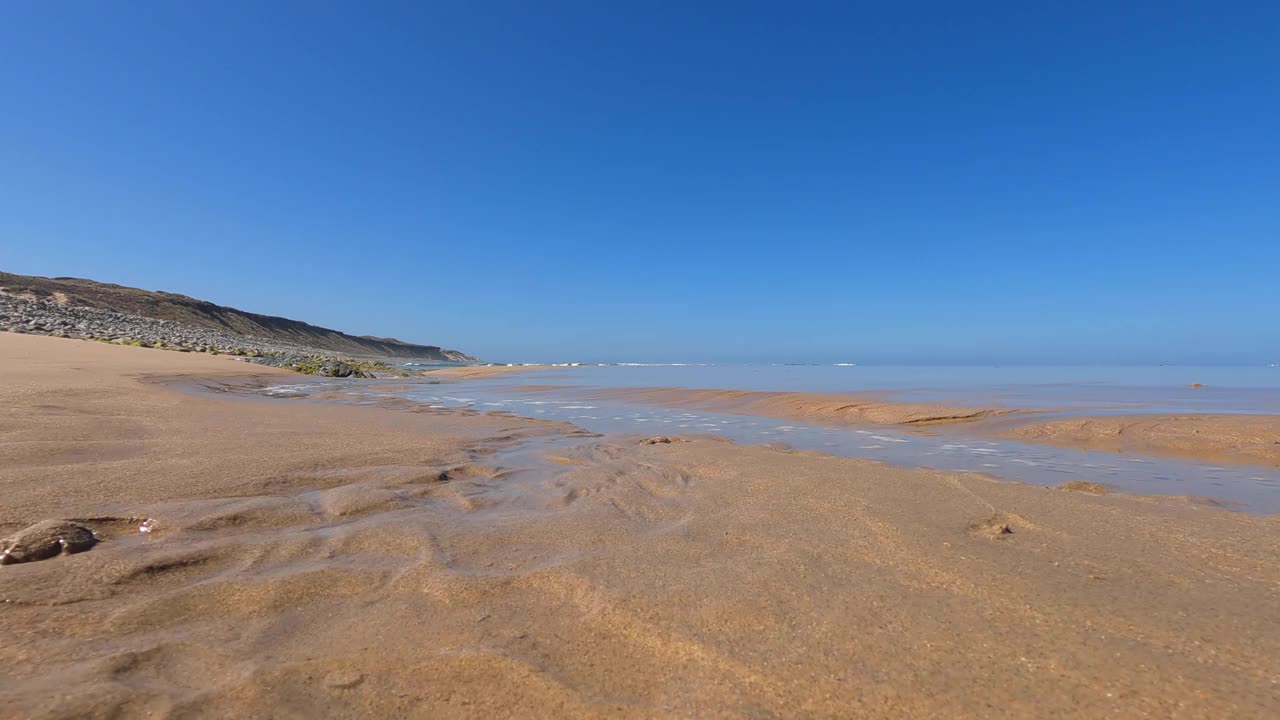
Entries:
{"x":44,"y":540}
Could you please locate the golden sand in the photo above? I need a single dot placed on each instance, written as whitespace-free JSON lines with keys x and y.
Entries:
{"x":472,"y":372}
{"x":309,"y":560}
{"x":1248,"y":439}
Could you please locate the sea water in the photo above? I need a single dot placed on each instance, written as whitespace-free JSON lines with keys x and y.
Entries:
{"x":1070,"y":390}
{"x":1156,"y":389}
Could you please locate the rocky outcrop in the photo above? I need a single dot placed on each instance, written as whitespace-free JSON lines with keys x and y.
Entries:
{"x":40,"y":317}
{"x":45,"y":317}
{"x":217,"y":320}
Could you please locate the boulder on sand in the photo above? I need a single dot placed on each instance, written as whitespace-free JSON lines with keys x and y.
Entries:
{"x":45,"y":539}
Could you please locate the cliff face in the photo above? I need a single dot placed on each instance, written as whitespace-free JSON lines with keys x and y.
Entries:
{"x":180,"y":308}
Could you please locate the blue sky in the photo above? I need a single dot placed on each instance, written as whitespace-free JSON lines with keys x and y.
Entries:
{"x":648,"y":181}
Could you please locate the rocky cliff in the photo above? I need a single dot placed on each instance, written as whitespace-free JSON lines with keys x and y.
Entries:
{"x":201,"y":314}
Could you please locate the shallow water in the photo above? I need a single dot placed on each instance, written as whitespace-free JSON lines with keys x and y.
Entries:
{"x":1164,"y":388}
{"x":1255,"y":489}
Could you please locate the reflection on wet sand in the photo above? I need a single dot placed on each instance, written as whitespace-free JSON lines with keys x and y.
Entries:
{"x":370,"y":555}
{"x":963,"y":446}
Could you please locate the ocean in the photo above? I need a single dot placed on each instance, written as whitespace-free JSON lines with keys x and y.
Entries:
{"x":1157,"y":388}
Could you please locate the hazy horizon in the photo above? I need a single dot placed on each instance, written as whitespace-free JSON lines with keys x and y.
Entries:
{"x":575,"y":182}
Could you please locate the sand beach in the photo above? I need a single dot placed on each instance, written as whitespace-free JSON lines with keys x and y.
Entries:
{"x":306,"y":557}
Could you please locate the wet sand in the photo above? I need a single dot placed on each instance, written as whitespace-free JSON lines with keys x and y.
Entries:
{"x":475,"y":372}
{"x":822,"y":408}
{"x":371,"y":561}
{"x":1248,"y":439}
{"x":1230,"y":439}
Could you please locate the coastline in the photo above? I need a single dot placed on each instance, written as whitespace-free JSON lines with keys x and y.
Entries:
{"x":1244,"y":439}
{"x":391,"y":560}
{"x":474,"y":372}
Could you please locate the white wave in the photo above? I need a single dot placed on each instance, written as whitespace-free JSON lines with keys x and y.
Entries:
{"x":635,"y":364}
{"x":288,"y":389}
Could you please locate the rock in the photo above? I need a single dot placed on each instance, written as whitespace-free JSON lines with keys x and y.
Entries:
{"x":45,"y":539}
{"x":661,"y":439}
{"x":336,"y":369}
{"x":995,"y":527}
{"x":1084,"y":486}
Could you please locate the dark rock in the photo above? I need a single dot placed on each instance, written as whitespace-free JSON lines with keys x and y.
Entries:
{"x":44,"y":540}
{"x":997,"y":526}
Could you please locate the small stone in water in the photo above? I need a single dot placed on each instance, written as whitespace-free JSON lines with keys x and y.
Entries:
{"x":44,"y":540}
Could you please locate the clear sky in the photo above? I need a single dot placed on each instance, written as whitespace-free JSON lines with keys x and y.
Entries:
{"x":872,"y":182}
